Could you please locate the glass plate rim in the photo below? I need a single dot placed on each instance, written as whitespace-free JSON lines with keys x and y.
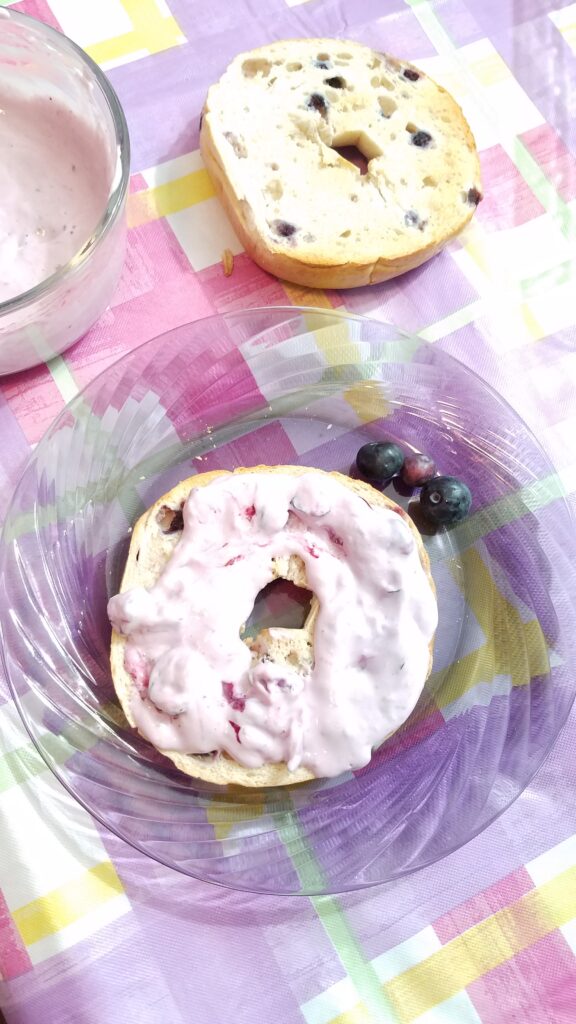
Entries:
{"x":95,"y":381}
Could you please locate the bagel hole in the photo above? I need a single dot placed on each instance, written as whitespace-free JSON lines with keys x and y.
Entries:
{"x":353,"y":155}
{"x":279,"y":604}
{"x":170,"y":520}
{"x":357,"y":148}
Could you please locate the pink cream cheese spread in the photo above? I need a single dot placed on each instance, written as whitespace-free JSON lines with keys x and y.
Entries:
{"x":54,"y":187}
{"x":199,"y":688}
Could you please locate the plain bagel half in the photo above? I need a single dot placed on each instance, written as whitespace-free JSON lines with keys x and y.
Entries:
{"x":271,"y":135}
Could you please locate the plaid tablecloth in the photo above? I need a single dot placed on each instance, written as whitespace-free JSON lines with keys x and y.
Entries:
{"x":91,"y":932}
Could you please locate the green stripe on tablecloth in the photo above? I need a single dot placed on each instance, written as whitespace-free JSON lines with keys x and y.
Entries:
{"x":25,"y":762}
{"x":122,"y":486}
{"x":545,"y":280}
{"x":96,"y":493}
{"x":63,"y":378}
{"x":525,"y":163}
{"x":454,"y":321}
{"x":528,"y":288}
{"x":333,"y":919}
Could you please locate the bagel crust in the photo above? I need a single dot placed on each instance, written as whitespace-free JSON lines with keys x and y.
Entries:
{"x":272,"y":130}
{"x":154,"y":539}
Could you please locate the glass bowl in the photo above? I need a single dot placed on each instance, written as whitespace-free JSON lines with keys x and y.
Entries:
{"x":294,"y":386}
{"x":41,"y":65}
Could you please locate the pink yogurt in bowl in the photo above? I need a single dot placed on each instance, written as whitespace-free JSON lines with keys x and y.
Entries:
{"x":64,"y":177}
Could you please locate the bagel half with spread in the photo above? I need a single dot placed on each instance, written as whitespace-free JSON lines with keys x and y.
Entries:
{"x":272,"y":130}
{"x":286,"y":705}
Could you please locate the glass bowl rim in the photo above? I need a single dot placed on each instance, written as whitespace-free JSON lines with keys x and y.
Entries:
{"x":121,"y":173}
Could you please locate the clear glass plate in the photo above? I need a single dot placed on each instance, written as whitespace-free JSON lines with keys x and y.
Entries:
{"x":294,"y":386}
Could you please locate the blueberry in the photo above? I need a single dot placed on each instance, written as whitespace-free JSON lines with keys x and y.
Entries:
{"x":417,"y":470}
{"x":474,"y":196}
{"x":410,"y":74}
{"x":283,"y":228}
{"x":445,"y":500}
{"x":379,"y":460}
{"x":317,"y":102}
{"x":412,"y":220}
{"x":335,"y":83}
{"x":421,"y":139}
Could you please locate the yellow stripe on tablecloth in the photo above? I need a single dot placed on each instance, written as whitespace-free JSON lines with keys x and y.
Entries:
{"x":485,"y":599}
{"x":112,"y":50}
{"x":482,"y":665}
{"x":569,"y":33}
{"x":299,"y":295}
{"x":334,"y":343}
{"x":153,"y":31}
{"x":563,"y":20}
{"x":160,"y":30}
{"x":514,"y":648}
{"x":367,"y":400}
{"x":357,"y":1015}
{"x":534,"y":328}
{"x":226,"y":817}
{"x":171,"y":197}
{"x":61,"y":907}
{"x":490,"y":69}
{"x":333,"y":340}
{"x":483,"y":947}
{"x":475,"y":246}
